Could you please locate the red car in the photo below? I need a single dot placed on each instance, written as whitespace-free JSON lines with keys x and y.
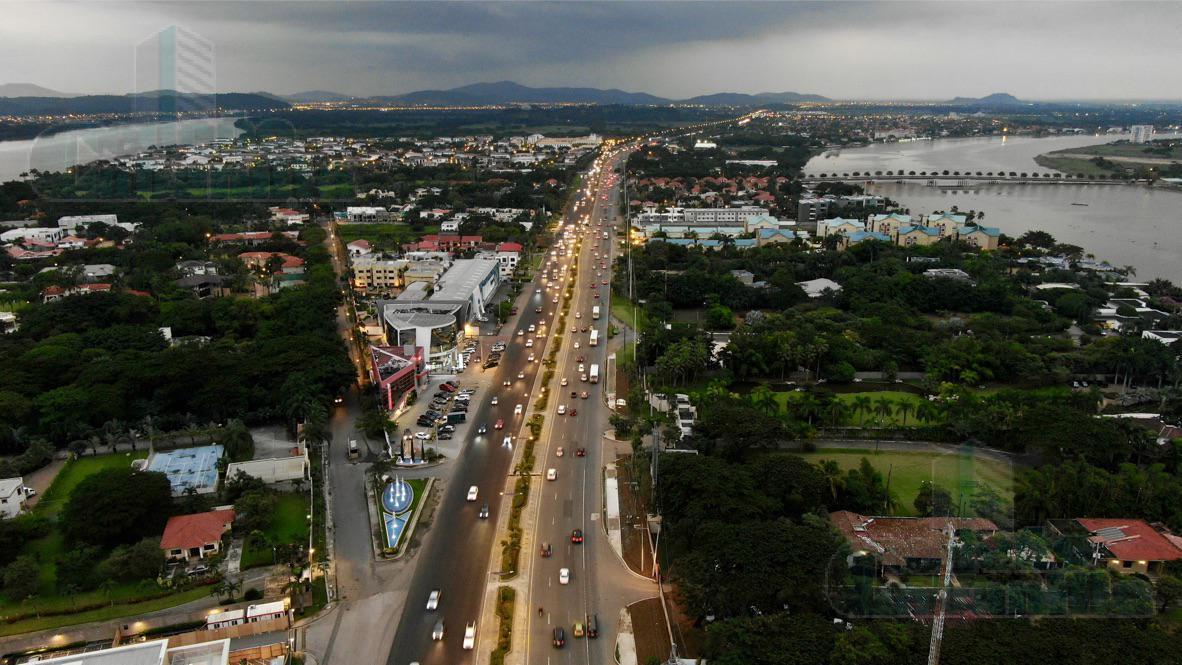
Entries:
{"x":581,"y":452}
{"x":576,"y":536}
{"x":500,"y":424}
{"x":597,"y":295}
{"x":574,"y":412}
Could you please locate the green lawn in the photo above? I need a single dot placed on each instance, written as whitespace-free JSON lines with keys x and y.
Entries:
{"x":289,"y":524}
{"x":101,"y":614}
{"x":420,"y":488}
{"x":625,"y":311}
{"x":957,"y":473}
{"x":73,"y":473}
{"x":895,"y":397}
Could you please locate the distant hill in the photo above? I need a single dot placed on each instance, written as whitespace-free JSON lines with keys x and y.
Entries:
{"x":29,"y":90}
{"x":744,"y":99}
{"x":159,"y":101}
{"x":508,"y":92}
{"x":315,"y":96}
{"x":996,"y":99}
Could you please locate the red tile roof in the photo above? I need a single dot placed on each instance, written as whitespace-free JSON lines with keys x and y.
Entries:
{"x":1131,"y":540}
{"x":509,"y":247}
{"x":185,"y":531}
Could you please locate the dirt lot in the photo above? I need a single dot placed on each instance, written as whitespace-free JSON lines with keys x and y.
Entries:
{"x":637,"y":546}
{"x":648,"y":625}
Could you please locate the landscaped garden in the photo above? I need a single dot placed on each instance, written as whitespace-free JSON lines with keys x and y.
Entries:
{"x":288,"y":525}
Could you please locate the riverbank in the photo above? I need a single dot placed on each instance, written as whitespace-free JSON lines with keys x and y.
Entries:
{"x":1114,"y":159}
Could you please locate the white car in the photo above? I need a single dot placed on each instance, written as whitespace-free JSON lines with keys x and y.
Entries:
{"x":551,"y":474}
{"x":560,"y":452}
{"x":508,"y":443}
{"x":470,"y":636}
{"x":517,"y":410}
{"x":437,"y":632}
{"x":433,"y":601}
{"x":578,"y":315}
{"x":494,"y":401}
{"x":532,"y":327}
{"x":531,"y":357}
{"x":472,"y":492}
{"x":562,"y":409}
{"x":422,"y":436}
{"x":564,"y":381}
{"x":529,"y":343}
{"x":520,"y":333}
{"x":576,"y":345}
{"x":564,"y":575}
{"x":521,"y":375}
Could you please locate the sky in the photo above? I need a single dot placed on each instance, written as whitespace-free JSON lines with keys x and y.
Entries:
{"x":844,"y":50}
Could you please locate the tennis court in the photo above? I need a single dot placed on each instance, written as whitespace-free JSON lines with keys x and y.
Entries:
{"x":189,"y":467}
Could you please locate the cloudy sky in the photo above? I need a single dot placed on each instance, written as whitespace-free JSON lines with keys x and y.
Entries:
{"x":849,"y":50}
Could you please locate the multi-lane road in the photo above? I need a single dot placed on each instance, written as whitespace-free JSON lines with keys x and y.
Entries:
{"x":456,"y":555}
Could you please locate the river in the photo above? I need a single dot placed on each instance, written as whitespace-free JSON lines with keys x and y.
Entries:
{"x":1125,"y":224}
{"x":58,"y":152}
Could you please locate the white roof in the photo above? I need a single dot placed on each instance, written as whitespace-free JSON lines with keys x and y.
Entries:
{"x":144,"y":653}
{"x":228,"y":615}
{"x":10,"y":486}
{"x":266,"y":608}
{"x":816,"y":287}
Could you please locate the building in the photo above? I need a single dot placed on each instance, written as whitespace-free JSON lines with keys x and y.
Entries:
{"x":947,"y":273}
{"x":288,"y":216}
{"x":1167,"y":337}
{"x":72,"y":222}
{"x":249,"y":614}
{"x":365,"y":214}
{"x":272,"y":470}
{"x":359,"y":247}
{"x":508,"y":253}
{"x":155,"y":652}
{"x":251,"y":237}
{"x":47,"y":235}
{"x":203,"y":286}
{"x":837,"y":225}
{"x":434,"y":322}
{"x":396,"y":371}
{"x":196,"y":536}
{"x":12,"y":497}
{"x":912,"y":236}
{"x":981,"y":237}
{"x":888,"y":224}
{"x":1141,"y":133}
{"x":720,"y":216}
{"x":913,"y":544}
{"x":816,"y":288}
{"x":260,"y":260}
{"x":369,"y":274}
{"x":1131,"y":546}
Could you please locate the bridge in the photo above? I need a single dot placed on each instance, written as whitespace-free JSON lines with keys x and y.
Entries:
{"x":963,"y":178}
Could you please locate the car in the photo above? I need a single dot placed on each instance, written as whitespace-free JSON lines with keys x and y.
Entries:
{"x":578,"y":315}
{"x":593,"y":626}
{"x":555,"y":300}
{"x":581,"y":452}
{"x":532,"y":327}
{"x":508,"y":442}
{"x":531,"y":358}
{"x":433,"y":601}
{"x":564,"y":381}
{"x":560,"y":452}
{"x":506,"y":383}
{"x":605,"y":282}
{"x":500,"y":424}
{"x":517,"y":410}
{"x":447,"y":428}
{"x":581,"y":367}
{"x":445,"y":436}
{"x":537,"y":310}
{"x":597,"y":295}
{"x":564,"y":575}
{"x":561,"y":409}
{"x":574,"y":412}
{"x":546,"y":550}
{"x":578,"y":630}
{"x":552,"y":474}
{"x":422,"y":436}
{"x":338,"y":400}
{"x":559,"y":638}
{"x":583,"y":377}
{"x":576,"y":344}
{"x":494,"y":401}
{"x":482,"y":429}
{"x":580,"y":360}
{"x":470,"y":636}
{"x":200,"y":569}
{"x":473,"y":491}
{"x":529,"y":343}
{"x":584,"y":394}
{"x":437,"y":632}
{"x":484,"y":511}
{"x":574,"y":329}
{"x":521,"y":333}
{"x":521,"y":375}
{"x":574,"y":394}
{"x":576,"y":536}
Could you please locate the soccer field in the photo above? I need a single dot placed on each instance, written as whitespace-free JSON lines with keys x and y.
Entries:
{"x":960,"y":474}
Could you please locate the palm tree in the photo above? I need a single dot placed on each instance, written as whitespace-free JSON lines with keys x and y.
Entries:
{"x":904,"y":409}
{"x":837,"y":411}
{"x":107,"y":586}
{"x":832,"y":473}
{"x":233,"y":586}
{"x":882,"y":408}
{"x":862,"y":407}
{"x":77,"y":447}
{"x":764,"y":399}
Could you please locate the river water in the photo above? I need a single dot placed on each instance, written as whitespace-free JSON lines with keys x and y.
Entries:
{"x":58,"y":152}
{"x":1124,"y":224}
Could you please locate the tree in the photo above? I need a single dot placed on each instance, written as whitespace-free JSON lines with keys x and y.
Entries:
{"x":116,"y":507}
{"x":858,"y":646}
{"x":720,"y":317}
{"x":21,"y":578}
{"x":1168,"y":593}
{"x":933,"y":500}
{"x":128,"y":563}
{"x":237,"y":441}
{"x":253,"y":510}
{"x":76,"y":569}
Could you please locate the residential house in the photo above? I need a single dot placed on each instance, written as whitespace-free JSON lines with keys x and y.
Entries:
{"x":862,"y":236}
{"x":816,"y":288}
{"x":837,"y":225}
{"x":981,"y":237}
{"x":288,"y":216}
{"x":384,"y":274}
{"x":888,"y":224}
{"x":12,"y":497}
{"x":911,"y":236}
{"x":366,"y":214}
{"x":258,"y":260}
{"x":359,"y":247}
{"x":1130,"y":545}
{"x":196,"y":536}
{"x":1167,"y":337}
{"x":948,"y":224}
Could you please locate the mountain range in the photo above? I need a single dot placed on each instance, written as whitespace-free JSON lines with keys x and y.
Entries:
{"x":30,"y":90}
{"x":994,"y":100}
{"x":158,"y":101}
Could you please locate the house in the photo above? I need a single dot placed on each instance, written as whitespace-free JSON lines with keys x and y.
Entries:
{"x":1130,"y":545}
{"x":259,"y":260}
{"x":288,"y":216}
{"x":363,"y":214}
{"x":203,"y":286}
{"x":888,"y":224}
{"x":508,"y":253}
{"x":981,"y":237}
{"x":915,"y":544}
{"x":947,"y":273}
{"x":910,"y":236}
{"x":1167,"y":337}
{"x":12,"y":497}
{"x":837,"y":225}
{"x":862,"y":236}
{"x":359,"y":247}
{"x":196,"y":536}
{"x":816,"y":288}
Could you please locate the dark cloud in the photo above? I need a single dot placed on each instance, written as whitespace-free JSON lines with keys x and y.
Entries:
{"x":842,"y":49}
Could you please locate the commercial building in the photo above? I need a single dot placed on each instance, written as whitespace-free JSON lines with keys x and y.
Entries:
{"x":363,"y":214}
{"x":508,"y":253}
{"x":371,"y":274}
{"x":434,"y":323}
{"x":396,"y":371}
{"x":155,"y":652}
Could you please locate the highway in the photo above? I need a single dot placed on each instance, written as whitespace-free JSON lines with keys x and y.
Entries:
{"x":599,"y":583}
{"x":456,"y":553}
